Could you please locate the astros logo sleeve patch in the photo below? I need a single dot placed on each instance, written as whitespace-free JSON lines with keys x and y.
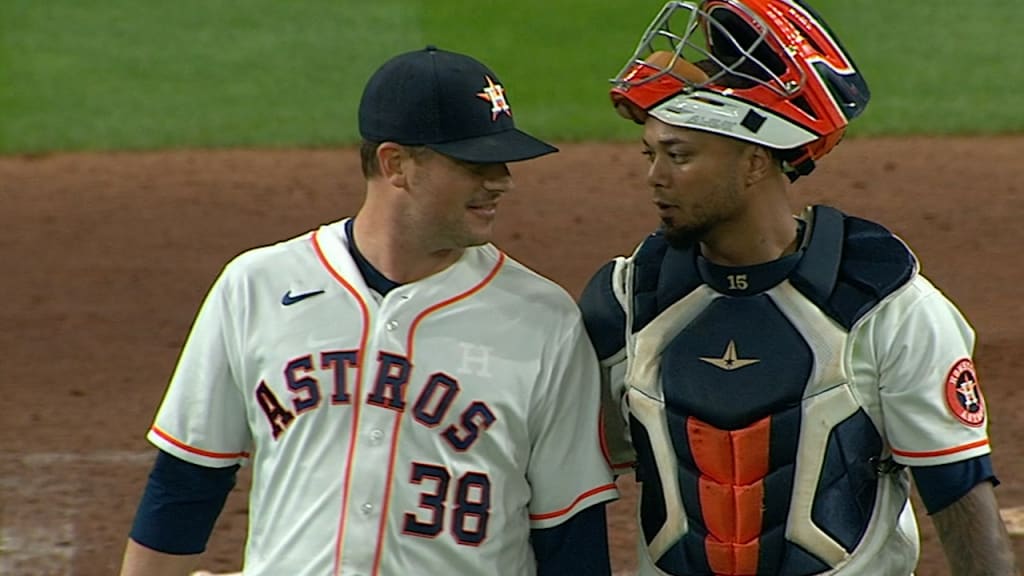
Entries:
{"x":963,"y":394}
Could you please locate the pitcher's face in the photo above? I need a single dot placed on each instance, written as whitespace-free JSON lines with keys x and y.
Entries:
{"x":453,"y":204}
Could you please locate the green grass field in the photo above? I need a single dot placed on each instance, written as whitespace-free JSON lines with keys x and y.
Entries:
{"x":142,"y":74}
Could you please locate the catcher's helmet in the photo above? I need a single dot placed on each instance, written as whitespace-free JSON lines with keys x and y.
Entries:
{"x":765,"y":71}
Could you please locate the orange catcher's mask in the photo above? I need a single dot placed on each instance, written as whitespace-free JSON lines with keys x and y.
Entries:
{"x":768,"y":72}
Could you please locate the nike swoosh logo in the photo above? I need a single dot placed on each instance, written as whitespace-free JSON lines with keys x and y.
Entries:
{"x":288,"y":299}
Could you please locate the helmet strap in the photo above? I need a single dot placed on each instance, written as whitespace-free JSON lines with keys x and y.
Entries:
{"x":796,"y":162}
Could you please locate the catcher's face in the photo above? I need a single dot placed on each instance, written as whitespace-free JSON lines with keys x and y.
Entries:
{"x":453,"y":204}
{"x":695,"y":180}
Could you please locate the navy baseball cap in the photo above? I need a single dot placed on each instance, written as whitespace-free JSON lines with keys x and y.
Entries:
{"x":447,"y":102}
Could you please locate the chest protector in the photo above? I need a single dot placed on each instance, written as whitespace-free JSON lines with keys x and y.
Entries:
{"x":755,"y":454}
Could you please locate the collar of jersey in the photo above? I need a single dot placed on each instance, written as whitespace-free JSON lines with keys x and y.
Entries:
{"x":374,"y":279}
{"x":749,"y":280}
{"x":746,"y":280}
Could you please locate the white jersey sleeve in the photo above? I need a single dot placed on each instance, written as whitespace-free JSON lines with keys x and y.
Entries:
{"x":565,"y":443}
{"x":202,"y":418}
{"x":933,"y":409}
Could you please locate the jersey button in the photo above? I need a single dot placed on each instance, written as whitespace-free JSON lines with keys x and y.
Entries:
{"x":391,"y":325}
{"x":367,"y":508}
{"x":376,"y":436}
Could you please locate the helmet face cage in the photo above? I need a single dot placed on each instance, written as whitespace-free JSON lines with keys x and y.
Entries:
{"x":691,"y":33}
{"x":776,"y":57}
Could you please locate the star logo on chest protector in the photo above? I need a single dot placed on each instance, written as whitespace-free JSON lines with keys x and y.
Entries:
{"x":730,"y":360}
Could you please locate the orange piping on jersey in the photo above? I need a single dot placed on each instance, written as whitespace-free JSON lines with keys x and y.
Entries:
{"x":600,"y":435}
{"x":733,"y":465}
{"x":604,"y":445}
{"x":187,"y":448}
{"x":339,"y":543}
{"x":943,"y":452}
{"x":578,"y":499}
{"x":396,"y":431}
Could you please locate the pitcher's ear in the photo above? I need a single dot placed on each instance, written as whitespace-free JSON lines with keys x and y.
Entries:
{"x":392,"y":159}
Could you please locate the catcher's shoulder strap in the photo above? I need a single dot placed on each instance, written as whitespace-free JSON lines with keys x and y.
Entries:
{"x":849,"y":264}
{"x":661,"y":276}
{"x":656,"y":274}
{"x":603,"y":314}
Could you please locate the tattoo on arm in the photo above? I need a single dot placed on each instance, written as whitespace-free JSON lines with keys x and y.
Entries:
{"x":974,"y":537}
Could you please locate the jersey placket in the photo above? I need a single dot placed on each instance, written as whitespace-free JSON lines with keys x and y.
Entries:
{"x":385,"y":374}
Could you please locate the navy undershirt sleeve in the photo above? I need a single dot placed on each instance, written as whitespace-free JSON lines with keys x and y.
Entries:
{"x":939,"y":486}
{"x":578,"y":546}
{"x":180,"y":505}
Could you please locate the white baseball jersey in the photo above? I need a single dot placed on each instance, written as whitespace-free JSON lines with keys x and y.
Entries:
{"x":423,"y":432}
{"x":758,"y":404}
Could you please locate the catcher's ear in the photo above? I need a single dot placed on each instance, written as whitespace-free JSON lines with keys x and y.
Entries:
{"x":760,"y":163}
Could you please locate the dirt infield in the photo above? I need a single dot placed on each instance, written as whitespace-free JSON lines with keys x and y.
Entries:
{"x":105,"y":258}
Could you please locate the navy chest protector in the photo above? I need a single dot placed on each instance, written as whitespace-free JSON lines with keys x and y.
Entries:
{"x":733,"y":380}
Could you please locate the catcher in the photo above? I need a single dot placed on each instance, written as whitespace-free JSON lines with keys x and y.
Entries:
{"x":782,"y":378}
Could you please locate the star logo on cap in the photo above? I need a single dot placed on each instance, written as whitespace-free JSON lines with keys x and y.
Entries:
{"x":495,"y":94}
